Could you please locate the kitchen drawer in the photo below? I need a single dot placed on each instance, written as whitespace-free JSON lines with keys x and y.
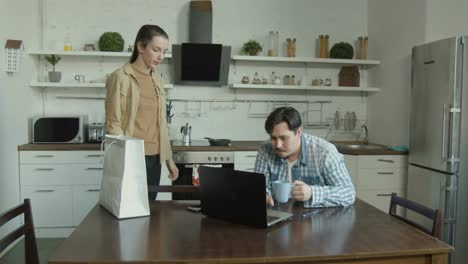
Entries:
{"x":58,"y":157}
{"x":86,"y":173}
{"x":46,"y":174}
{"x":381,"y":178}
{"x":380,"y":198}
{"x":382,"y":161}
{"x":245,"y":157}
{"x":51,"y":205}
{"x":244,"y":167}
{"x":351,"y":167}
{"x":85,"y":197}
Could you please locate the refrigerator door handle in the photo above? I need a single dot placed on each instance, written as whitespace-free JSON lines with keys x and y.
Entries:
{"x":444,"y":121}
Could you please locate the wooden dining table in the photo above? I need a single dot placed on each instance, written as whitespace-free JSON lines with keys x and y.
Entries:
{"x":355,"y":234}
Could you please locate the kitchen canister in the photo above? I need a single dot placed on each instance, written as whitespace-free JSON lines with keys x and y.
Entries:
{"x":323,"y":46}
{"x":362,"y":48}
{"x":291,"y":47}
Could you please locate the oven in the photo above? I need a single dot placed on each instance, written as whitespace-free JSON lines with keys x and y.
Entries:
{"x":185,"y":161}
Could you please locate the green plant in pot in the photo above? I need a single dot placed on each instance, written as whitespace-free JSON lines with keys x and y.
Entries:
{"x":252,"y":47}
{"x":342,"y":50}
{"x":53,"y":75}
{"x":111,"y":41}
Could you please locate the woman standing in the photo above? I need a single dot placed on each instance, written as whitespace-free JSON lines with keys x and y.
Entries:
{"x":136,"y":102}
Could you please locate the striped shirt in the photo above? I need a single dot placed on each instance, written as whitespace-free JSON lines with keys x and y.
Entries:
{"x":319,"y":165}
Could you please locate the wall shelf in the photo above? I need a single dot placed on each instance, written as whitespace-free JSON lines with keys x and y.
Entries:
{"x":85,"y":53}
{"x":306,"y":60}
{"x":299,"y":87}
{"x":78,"y":85}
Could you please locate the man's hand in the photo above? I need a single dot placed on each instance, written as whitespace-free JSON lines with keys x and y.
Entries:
{"x":173,"y":170}
{"x":301,"y":191}
{"x":269,"y":200}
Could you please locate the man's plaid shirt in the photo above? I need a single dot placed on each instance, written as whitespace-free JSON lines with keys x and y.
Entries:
{"x":319,"y":165}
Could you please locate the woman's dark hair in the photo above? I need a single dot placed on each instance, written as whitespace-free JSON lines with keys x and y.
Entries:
{"x":145,"y":35}
{"x":283,"y":114}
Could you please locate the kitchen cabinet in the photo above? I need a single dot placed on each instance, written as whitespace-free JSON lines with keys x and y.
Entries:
{"x":375,"y":177}
{"x":245,"y":160}
{"x":66,"y":183}
{"x":351,"y":166}
{"x":309,"y":62}
{"x":99,"y":55}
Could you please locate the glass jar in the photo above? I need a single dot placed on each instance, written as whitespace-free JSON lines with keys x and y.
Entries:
{"x":362,"y":49}
{"x":273,"y":43}
{"x":291,"y":47}
{"x":323,"y":46}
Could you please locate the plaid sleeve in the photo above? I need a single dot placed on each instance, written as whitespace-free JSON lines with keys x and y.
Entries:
{"x":261,"y":166}
{"x":338,"y":189}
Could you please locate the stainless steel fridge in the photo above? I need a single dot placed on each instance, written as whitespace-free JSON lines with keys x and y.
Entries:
{"x":438,"y":157}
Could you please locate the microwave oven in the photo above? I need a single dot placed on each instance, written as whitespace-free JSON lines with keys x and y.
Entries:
{"x":58,"y":129}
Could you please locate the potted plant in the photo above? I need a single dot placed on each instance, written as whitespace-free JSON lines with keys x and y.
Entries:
{"x":111,"y":41}
{"x":53,"y":75}
{"x":342,"y":50}
{"x":252,"y":47}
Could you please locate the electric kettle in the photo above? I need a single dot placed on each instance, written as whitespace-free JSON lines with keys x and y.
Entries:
{"x":186,"y":131}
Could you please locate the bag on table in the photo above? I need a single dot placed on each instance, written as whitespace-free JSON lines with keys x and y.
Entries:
{"x":124,"y":190}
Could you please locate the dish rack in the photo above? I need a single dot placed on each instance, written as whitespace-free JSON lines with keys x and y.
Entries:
{"x":345,"y":128}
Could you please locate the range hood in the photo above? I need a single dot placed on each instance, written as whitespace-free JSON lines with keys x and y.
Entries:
{"x":200,"y":62}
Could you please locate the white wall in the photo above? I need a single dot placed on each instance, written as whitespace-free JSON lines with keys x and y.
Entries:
{"x":446,"y":19}
{"x":394,"y":28}
{"x":234,"y":22}
{"x":18,"y":20}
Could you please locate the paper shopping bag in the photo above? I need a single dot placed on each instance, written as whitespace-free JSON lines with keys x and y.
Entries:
{"x":124,"y":190}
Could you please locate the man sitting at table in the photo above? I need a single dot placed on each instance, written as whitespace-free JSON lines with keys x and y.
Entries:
{"x":313,"y":165}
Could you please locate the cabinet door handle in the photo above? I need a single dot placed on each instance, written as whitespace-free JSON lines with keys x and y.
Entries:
{"x":384,"y":194}
{"x":44,"y":169}
{"x":386,"y":173}
{"x":44,"y":156}
{"x":250,"y":169}
{"x":251,"y":156}
{"x":94,"y":169}
{"x":93,"y":190}
{"x":45,"y":191}
{"x":94,"y":155}
{"x":386,"y":160}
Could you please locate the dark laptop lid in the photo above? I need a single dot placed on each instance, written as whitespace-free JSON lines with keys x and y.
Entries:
{"x":235,"y":196}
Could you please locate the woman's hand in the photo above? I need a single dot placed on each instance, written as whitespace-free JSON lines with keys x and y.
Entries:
{"x":173,"y":170}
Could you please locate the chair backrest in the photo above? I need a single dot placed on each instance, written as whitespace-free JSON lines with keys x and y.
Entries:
{"x":433,"y":215}
{"x":27,"y":229}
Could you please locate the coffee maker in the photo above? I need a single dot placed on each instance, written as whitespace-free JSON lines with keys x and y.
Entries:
{"x":186,"y":134}
{"x":95,"y":133}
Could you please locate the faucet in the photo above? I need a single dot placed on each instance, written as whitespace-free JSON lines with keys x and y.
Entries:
{"x":366,"y":134}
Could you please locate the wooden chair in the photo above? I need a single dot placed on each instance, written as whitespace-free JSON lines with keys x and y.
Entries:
{"x":432,"y":214}
{"x":27,"y":229}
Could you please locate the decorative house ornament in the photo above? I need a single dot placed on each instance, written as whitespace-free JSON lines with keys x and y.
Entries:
{"x":12,"y":55}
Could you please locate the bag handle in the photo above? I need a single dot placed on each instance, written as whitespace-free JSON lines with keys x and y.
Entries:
{"x":103,"y":151}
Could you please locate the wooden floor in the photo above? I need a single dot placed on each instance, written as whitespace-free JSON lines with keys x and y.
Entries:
{"x":45,"y":246}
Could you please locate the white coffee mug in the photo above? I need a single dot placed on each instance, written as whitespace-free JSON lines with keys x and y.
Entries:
{"x":281,"y":190}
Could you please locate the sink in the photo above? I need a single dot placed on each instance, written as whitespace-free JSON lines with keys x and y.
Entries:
{"x":359,"y":146}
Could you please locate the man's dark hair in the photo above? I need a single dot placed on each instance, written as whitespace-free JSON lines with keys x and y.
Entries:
{"x":283,"y":114}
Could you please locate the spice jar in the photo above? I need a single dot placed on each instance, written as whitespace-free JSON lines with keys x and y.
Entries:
{"x":362,"y":49}
{"x":273,"y":43}
{"x":291,"y":47}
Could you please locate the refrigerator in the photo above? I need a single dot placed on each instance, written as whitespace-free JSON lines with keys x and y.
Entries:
{"x":438,"y":156}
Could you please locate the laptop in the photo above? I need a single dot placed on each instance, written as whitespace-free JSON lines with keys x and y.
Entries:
{"x":237,"y":196}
